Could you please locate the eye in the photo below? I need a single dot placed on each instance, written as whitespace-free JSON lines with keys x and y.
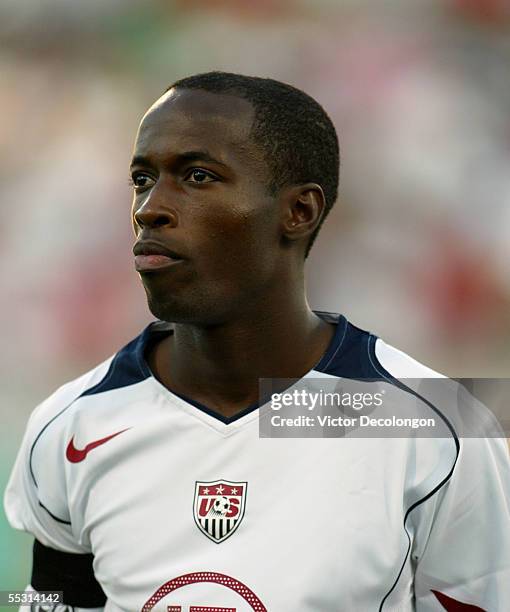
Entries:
{"x":141,"y":181}
{"x":198,"y":175}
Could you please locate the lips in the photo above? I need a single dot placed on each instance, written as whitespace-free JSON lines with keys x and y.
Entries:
{"x":151,"y":247}
{"x":150,"y":255}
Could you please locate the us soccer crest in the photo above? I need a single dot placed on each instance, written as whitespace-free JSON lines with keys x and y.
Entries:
{"x":219,"y":508}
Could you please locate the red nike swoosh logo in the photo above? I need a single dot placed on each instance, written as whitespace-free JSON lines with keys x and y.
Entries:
{"x":75,"y":455}
{"x":453,"y":605}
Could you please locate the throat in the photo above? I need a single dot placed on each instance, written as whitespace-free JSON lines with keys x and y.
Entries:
{"x":222,"y":376}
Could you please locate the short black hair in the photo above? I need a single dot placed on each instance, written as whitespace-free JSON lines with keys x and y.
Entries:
{"x":298,"y":140}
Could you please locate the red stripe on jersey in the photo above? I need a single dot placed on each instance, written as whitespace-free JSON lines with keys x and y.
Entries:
{"x":453,"y":605}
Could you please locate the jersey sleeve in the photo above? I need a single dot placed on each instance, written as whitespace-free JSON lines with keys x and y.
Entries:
{"x":35,"y":499}
{"x":460,"y":532}
{"x":462,"y":543}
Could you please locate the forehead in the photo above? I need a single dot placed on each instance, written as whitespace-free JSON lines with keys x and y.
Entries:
{"x":196,"y":120}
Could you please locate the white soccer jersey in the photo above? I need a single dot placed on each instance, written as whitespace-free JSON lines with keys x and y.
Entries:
{"x":181,"y":510}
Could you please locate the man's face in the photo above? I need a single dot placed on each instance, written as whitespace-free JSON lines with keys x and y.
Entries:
{"x":201,"y":192}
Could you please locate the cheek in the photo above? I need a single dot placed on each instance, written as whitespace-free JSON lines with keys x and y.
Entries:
{"x":242,"y":244}
{"x":248,"y":226}
{"x":241,"y":236}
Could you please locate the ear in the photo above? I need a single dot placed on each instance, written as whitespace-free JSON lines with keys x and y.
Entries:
{"x":303,"y":209}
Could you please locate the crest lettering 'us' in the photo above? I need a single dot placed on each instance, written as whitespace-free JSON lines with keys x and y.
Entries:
{"x":218,"y":508}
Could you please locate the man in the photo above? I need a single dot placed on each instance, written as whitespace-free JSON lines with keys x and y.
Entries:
{"x":145,"y":482}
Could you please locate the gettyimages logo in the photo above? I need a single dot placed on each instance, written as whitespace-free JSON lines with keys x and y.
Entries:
{"x":310,"y":400}
{"x":332,"y":407}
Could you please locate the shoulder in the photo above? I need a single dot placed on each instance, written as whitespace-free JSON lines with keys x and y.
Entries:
{"x":358,"y":353}
{"x":39,"y":475}
{"x":400,"y":364}
{"x":124,"y":368}
{"x":65,"y":395}
{"x":51,"y":422}
{"x":480,"y":442}
{"x":36,"y":498}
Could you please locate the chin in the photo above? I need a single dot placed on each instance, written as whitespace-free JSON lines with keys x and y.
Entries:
{"x":171,"y":311}
{"x":201,"y":304}
{"x":193,"y":312}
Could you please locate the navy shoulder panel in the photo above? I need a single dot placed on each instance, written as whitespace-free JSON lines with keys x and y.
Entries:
{"x":349,"y":355}
{"x":129,"y":367}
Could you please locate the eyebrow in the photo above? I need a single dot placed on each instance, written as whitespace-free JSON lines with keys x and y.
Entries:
{"x":187,"y":156}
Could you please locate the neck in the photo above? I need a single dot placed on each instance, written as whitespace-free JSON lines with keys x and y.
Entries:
{"x":220,"y":366}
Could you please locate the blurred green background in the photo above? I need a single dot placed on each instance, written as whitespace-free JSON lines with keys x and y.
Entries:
{"x":417,"y":248}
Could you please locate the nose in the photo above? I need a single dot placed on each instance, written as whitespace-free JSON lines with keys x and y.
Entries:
{"x":153,"y":213}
